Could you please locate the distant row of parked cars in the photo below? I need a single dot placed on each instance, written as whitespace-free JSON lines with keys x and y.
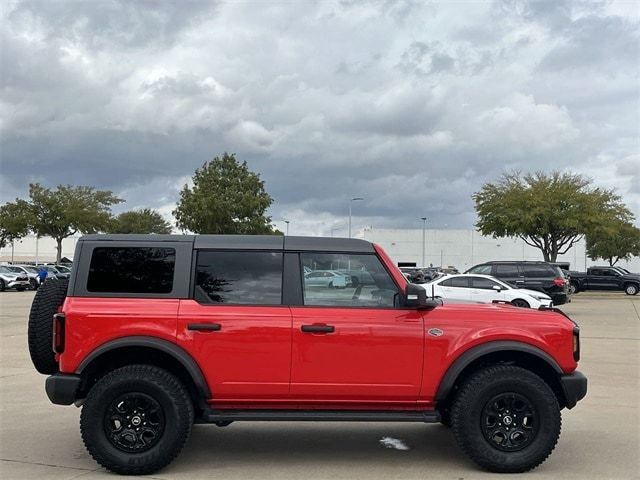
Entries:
{"x":26,"y":277}
{"x":522,"y":283}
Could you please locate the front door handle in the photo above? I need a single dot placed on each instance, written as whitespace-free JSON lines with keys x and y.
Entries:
{"x":318,"y":328}
{"x":204,"y":327}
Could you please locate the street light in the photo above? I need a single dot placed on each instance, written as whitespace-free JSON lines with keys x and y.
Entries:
{"x":424,"y":229}
{"x":287,"y":222}
{"x":354,"y":199}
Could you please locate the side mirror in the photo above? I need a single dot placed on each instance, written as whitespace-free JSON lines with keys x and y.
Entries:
{"x":416,"y":297}
{"x":497,"y":288}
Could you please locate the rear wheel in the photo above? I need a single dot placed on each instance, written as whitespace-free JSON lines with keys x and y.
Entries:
{"x":506,"y":418}
{"x":136,"y":419}
{"x":573,"y":288}
{"x":518,"y":302}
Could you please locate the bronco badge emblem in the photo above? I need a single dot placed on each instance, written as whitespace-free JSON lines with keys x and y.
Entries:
{"x":436,"y":332}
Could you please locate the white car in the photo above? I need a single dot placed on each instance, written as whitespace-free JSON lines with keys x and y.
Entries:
{"x":485,"y":289}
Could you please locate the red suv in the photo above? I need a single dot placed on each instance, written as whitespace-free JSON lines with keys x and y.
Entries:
{"x":155,"y":332}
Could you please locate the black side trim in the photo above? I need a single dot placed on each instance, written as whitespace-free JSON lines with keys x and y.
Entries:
{"x":574,"y":387}
{"x":61,"y":388}
{"x":474,"y":353}
{"x":213,"y":416}
{"x":164,"y":346}
{"x":292,"y":280}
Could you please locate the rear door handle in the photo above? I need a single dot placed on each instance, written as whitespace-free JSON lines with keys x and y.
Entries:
{"x":318,"y":328}
{"x":204,"y":327}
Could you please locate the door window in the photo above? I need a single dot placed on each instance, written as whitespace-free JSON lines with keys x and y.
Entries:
{"x":484,"y":283}
{"x":538,"y":271}
{"x":344,"y":280}
{"x":481,"y":269}
{"x":460,"y":282}
{"x":506,"y":270}
{"x":243,"y":278}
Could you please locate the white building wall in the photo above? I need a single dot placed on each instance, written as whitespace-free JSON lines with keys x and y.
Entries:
{"x":34,"y":249}
{"x":465,"y":248}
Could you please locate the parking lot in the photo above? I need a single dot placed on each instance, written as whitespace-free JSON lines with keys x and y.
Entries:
{"x":600,"y":437}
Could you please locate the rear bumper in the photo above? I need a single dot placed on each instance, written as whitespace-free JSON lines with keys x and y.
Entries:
{"x":574,"y":387}
{"x":560,"y":298}
{"x":61,"y":388}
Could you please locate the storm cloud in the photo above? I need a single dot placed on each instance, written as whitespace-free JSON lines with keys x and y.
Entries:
{"x":411,"y":105}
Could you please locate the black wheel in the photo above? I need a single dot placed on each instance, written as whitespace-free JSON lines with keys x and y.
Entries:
{"x":2,"y":285}
{"x":330,"y":285}
{"x":631,"y":289}
{"x":573,"y":288}
{"x":136,"y":419}
{"x":506,"y":418}
{"x":48,"y":299}
{"x":518,"y":302}
{"x":21,"y":289}
{"x":34,"y":283}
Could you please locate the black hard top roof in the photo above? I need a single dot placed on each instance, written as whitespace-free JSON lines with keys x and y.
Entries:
{"x":246,"y":242}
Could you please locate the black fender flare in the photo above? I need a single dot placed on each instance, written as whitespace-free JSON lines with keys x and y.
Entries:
{"x":159,"y":344}
{"x":464,"y":360}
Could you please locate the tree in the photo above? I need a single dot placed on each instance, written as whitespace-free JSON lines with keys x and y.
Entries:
{"x":549,"y":212}
{"x":66,"y":210}
{"x":13,"y":224}
{"x":226,"y":197}
{"x":620,"y":241}
{"x":140,"y":221}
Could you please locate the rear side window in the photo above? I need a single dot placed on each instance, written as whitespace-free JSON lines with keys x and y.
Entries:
{"x":131,"y":270}
{"x":539,"y":271}
{"x":461,"y":282}
{"x":506,"y":270}
{"x":243,"y":278}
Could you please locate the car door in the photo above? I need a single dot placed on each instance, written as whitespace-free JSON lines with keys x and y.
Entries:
{"x":597,"y":279}
{"x":611,"y":279}
{"x":482,"y":290}
{"x":236,"y":327}
{"x":510,"y":273}
{"x":455,"y":288}
{"x":353,"y":345}
{"x":539,"y":276}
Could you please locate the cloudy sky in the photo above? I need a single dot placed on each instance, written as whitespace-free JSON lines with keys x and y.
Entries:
{"x":409,"y":104}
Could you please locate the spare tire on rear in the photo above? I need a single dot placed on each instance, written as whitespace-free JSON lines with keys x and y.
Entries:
{"x":48,"y":299}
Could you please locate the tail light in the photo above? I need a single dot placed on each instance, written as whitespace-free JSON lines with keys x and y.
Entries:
{"x":559,"y":282}
{"x":58,"y":333}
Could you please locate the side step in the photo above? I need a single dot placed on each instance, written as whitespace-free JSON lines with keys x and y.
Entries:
{"x":216,"y":416}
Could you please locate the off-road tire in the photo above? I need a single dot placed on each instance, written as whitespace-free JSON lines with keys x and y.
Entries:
{"x":631,"y":289}
{"x":2,"y":285}
{"x":474,"y":395}
{"x":48,"y":299}
{"x":149,"y":380}
{"x":518,"y":302}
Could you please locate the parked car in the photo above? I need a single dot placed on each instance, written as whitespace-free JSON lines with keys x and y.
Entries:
{"x":29,"y":271}
{"x":485,"y":289}
{"x":154,"y":333}
{"x":540,"y":276}
{"x":327,"y":278}
{"x":605,"y":278}
{"x":12,"y":279}
{"x":53,"y":272}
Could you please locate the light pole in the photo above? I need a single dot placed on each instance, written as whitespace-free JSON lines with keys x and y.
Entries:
{"x":287,"y":222}
{"x":424,"y":231}
{"x":354,"y":199}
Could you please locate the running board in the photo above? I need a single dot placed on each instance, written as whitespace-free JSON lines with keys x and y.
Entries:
{"x":215,"y":416}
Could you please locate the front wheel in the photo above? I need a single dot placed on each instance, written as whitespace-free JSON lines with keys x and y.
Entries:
{"x":631,"y":289}
{"x":136,"y":419}
{"x":518,"y":302}
{"x":573,"y":288}
{"x":506,"y":418}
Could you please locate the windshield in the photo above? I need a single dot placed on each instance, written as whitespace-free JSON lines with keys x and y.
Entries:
{"x":30,"y":269}
{"x":63,"y":269}
{"x":4,"y":269}
{"x":15,"y":269}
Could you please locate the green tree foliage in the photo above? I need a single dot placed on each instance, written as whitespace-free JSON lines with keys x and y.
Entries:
{"x":14,"y":224}
{"x":226,"y":197}
{"x":548,"y":211}
{"x":618,"y":241}
{"x":66,"y":210}
{"x":140,"y":221}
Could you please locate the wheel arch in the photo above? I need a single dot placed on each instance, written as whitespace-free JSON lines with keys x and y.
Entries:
{"x":500,"y":352}
{"x":145,"y":350}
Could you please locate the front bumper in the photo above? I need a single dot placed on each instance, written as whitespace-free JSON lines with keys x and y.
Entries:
{"x":19,"y":284}
{"x":574,"y":387}
{"x":61,"y":388}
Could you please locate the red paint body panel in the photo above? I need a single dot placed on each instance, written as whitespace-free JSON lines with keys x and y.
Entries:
{"x":373,"y":354}
{"x":249,"y":358}
{"x":90,"y":322}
